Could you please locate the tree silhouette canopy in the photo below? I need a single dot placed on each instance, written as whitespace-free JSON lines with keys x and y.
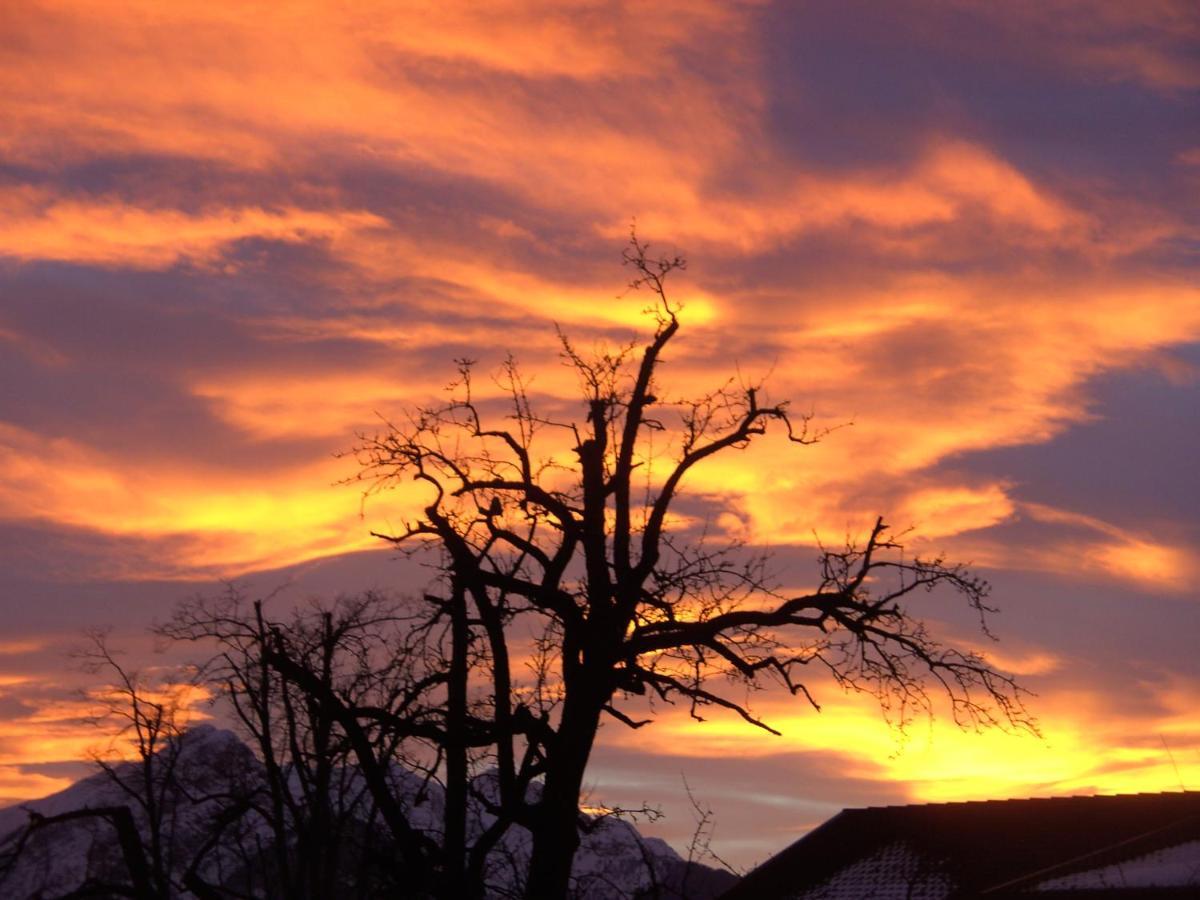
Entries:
{"x":579,"y":557}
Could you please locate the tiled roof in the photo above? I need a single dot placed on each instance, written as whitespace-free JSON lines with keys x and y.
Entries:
{"x":994,"y":848}
{"x":1165,"y":867}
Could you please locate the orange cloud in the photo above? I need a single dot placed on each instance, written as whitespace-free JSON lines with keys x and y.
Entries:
{"x":497,"y":288}
{"x":1173,"y":568}
{"x":584,"y":39}
{"x":320,"y":405}
{"x":58,"y":728}
{"x":1108,"y":551}
{"x":212,"y":82}
{"x":953,"y":181}
{"x":122,"y":235}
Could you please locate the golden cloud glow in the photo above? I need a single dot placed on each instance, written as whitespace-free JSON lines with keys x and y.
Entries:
{"x":17,"y":786}
{"x":243,"y":524}
{"x":1085,"y":748}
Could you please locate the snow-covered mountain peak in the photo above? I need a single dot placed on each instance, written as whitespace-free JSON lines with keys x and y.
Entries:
{"x":210,"y":768}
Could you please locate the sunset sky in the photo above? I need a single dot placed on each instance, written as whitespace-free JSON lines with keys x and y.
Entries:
{"x":232,"y":233}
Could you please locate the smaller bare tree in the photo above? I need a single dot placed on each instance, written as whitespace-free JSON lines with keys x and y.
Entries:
{"x":145,"y":717}
{"x":146,"y":714}
{"x":342,"y":703}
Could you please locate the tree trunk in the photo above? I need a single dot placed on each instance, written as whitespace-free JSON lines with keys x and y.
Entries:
{"x":556,"y":834}
{"x":454,"y":843}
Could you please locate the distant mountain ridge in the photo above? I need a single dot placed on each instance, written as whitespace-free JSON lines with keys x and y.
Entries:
{"x":614,"y":859}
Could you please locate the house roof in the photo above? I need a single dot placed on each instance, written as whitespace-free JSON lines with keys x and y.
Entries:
{"x":992,"y":849}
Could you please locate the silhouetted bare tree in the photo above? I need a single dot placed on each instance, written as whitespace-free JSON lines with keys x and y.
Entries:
{"x":579,"y":561}
{"x":145,"y":715}
{"x":333,"y":698}
{"x":342,"y":703}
